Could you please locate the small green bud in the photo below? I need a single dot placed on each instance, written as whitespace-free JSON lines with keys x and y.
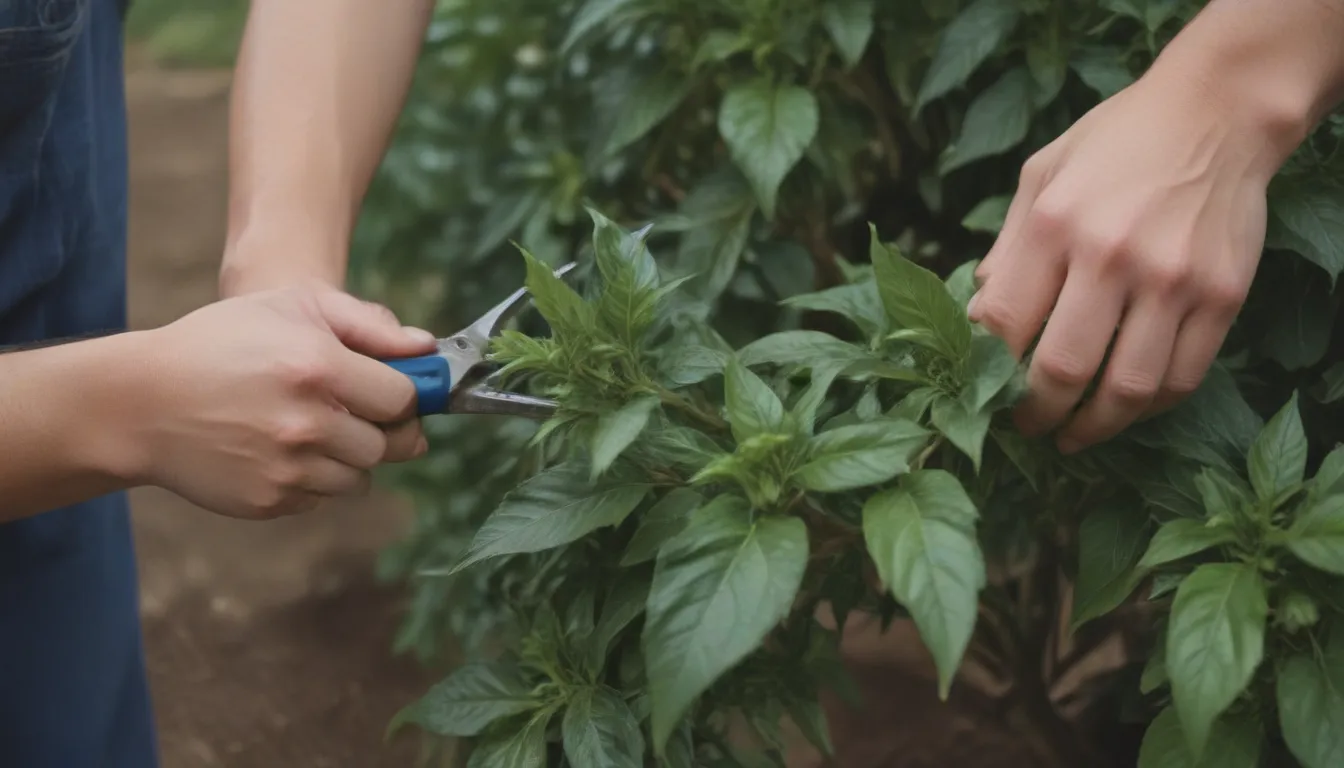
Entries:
{"x":1297,"y":611}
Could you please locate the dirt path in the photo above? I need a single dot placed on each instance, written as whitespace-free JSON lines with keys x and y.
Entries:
{"x":268,"y":644}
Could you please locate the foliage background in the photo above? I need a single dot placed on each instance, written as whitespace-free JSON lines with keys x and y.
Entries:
{"x":509,"y":132}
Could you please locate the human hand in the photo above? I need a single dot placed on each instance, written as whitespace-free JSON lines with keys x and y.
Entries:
{"x":262,"y":406}
{"x":1144,"y":222}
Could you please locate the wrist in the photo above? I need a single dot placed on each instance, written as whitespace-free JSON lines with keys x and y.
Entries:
{"x":283,"y":252}
{"x":107,"y":420}
{"x":1271,"y":68}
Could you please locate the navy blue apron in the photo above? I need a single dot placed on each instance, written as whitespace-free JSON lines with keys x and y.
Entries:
{"x":73,"y":692}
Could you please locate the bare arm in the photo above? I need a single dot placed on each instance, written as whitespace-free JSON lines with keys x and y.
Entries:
{"x":66,"y":434}
{"x":318,"y":87}
{"x":162,"y":407}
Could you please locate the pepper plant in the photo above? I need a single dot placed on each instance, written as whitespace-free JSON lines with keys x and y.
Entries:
{"x":775,"y":413}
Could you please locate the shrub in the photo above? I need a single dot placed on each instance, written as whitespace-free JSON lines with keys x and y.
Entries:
{"x":785,"y":417}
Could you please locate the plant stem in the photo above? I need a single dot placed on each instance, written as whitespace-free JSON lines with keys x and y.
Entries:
{"x":681,"y":403}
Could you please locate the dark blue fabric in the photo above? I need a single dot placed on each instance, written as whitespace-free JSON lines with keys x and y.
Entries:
{"x":73,"y":692}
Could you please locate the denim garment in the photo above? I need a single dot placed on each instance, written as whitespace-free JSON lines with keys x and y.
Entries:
{"x":73,"y":691}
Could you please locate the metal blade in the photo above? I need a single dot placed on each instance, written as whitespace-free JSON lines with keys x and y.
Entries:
{"x":486,"y":326}
{"x":493,"y":402}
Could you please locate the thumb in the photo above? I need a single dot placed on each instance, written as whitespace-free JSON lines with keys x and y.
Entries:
{"x":371,"y":329}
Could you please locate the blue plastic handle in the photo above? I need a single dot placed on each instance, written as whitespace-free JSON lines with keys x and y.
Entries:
{"x":432,"y":379}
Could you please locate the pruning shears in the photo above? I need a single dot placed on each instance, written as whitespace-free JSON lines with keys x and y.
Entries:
{"x":452,"y":380}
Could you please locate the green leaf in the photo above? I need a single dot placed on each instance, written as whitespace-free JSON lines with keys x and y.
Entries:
{"x":767,"y":127}
{"x":551,"y":509}
{"x":859,"y":302}
{"x":1215,"y":641}
{"x":649,"y":101}
{"x":1298,"y":335}
{"x":753,"y":408}
{"x":970,"y":39}
{"x":525,"y":748}
{"x":599,"y":730}
{"x":660,"y":524}
{"x":1306,"y":216}
{"x":989,"y":368}
{"x":810,"y":718}
{"x":995,"y":122}
{"x":629,"y":281}
{"x":1049,"y":67}
{"x":718,"y":588}
{"x":1311,"y":705}
{"x":1329,"y":478}
{"x":916,"y":299}
{"x":1222,"y":493}
{"x":850,"y":25}
{"x":1183,"y":537}
{"x":964,"y":428}
{"x":564,"y":309}
{"x":803,"y":348}
{"x":1103,"y":70}
{"x":863,"y":454}
{"x":471,"y":698}
{"x":1154,"y":674}
{"x":960,"y":282}
{"x":1236,"y":743}
{"x":716,"y":220}
{"x":988,"y":214}
{"x":913,"y":406}
{"x":1331,"y":387}
{"x":624,"y":603}
{"x":1278,"y":457}
{"x":686,"y":364}
{"x":616,"y":430}
{"x":591,"y":15}
{"x":922,"y":539}
{"x":719,"y":45}
{"x":675,"y":447}
{"x":1317,"y":536}
{"x":1110,"y":540}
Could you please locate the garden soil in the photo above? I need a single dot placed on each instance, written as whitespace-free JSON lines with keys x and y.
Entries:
{"x":268,"y":644}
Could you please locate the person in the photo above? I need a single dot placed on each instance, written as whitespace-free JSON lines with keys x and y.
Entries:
{"x":1144,"y":222}
{"x":262,"y":404}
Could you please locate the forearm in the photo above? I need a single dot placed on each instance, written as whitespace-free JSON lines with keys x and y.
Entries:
{"x":317,"y":90}
{"x":67,"y":429}
{"x":1276,"y":65}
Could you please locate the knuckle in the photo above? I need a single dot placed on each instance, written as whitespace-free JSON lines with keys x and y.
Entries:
{"x":267,"y":501}
{"x":304,"y":372}
{"x":996,"y":314}
{"x":1050,"y":218}
{"x":1133,"y":386}
{"x":1033,"y":170}
{"x":284,"y":477}
{"x":1224,"y":293}
{"x":296,"y":431}
{"x":1182,"y":385}
{"x":1167,"y":275}
{"x":372,"y":452}
{"x":1064,"y":367}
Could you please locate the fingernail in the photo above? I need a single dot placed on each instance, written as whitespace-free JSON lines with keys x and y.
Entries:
{"x":418,"y":334}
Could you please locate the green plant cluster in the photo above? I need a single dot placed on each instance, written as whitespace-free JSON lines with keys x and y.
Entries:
{"x":787,"y":418}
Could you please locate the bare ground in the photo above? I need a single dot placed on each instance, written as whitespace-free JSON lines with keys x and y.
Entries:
{"x":269,"y":643}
